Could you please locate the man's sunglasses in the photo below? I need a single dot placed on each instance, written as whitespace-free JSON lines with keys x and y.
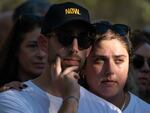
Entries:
{"x":138,"y":61}
{"x":103,"y":26}
{"x":66,"y":38}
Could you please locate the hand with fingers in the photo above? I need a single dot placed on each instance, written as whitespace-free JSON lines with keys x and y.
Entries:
{"x":67,"y":85}
{"x":67,"y":80}
{"x":13,"y":85}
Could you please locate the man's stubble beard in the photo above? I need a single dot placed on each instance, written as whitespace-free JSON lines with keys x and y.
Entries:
{"x":53,"y":55}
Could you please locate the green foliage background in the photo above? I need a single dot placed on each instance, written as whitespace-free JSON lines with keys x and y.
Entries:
{"x":135,"y":13}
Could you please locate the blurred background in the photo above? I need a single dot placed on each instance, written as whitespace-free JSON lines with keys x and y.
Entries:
{"x":135,"y":13}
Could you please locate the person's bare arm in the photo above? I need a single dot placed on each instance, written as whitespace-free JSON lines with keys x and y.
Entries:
{"x":68,"y":87}
{"x":70,"y":105}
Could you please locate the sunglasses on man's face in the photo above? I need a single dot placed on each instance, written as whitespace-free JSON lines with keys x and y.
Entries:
{"x":138,"y":61}
{"x":66,"y":38}
{"x":120,"y":29}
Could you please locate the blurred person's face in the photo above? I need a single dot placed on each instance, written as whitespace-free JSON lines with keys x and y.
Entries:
{"x":32,"y":60}
{"x":69,"y":43}
{"x":141,"y":64}
{"x":106,"y":69}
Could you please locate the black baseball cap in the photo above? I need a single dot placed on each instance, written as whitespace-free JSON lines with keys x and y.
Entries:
{"x":64,"y":13}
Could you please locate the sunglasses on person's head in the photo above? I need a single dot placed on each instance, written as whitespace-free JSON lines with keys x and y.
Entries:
{"x":66,"y":38}
{"x":103,"y":26}
{"x":138,"y":61}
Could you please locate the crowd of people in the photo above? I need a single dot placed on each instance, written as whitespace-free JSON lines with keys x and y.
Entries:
{"x":55,"y":60}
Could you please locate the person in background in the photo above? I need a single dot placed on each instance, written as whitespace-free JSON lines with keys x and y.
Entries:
{"x":30,"y":7}
{"x":141,"y":62}
{"x":65,"y":27}
{"x":106,"y":69}
{"x":21,"y":59}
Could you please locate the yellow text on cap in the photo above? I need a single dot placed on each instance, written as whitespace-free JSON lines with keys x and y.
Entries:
{"x":72,"y":11}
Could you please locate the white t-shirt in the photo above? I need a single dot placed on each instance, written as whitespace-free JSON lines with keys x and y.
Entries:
{"x":136,"y":105}
{"x":34,"y":100}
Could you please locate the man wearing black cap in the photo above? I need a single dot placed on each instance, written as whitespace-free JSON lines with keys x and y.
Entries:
{"x":67,"y":39}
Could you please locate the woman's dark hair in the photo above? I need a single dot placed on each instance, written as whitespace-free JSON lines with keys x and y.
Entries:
{"x":121,"y":31}
{"x":139,"y":37}
{"x":10,"y":48}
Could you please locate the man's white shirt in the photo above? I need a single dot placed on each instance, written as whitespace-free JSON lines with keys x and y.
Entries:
{"x":34,"y":100}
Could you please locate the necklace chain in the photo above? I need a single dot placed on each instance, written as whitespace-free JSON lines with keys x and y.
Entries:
{"x":124,"y":103}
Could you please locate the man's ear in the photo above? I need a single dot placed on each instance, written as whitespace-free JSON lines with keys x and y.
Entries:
{"x":43,"y":43}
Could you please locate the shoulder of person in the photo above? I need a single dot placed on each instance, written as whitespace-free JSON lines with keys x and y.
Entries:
{"x":137,"y":105}
{"x":12,"y":102}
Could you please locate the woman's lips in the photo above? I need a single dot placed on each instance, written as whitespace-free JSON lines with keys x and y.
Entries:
{"x":108,"y":82}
